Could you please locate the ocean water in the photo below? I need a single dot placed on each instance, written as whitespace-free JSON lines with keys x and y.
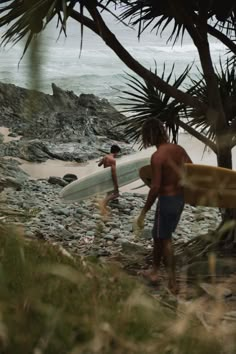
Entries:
{"x":97,"y":70}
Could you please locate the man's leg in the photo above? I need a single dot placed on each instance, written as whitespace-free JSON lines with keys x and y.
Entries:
{"x":104,"y":203}
{"x":153,"y":273}
{"x":157,"y":254}
{"x":110,"y":196}
{"x":157,"y":257}
{"x":172,"y":211}
{"x":169,"y":261}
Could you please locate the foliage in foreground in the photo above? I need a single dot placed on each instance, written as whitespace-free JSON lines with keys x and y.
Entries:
{"x":52,"y":303}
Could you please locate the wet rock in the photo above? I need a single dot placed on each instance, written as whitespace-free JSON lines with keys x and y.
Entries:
{"x":103,"y":253}
{"x":147,"y":234}
{"x":132,"y":247}
{"x":13,"y":135}
{"x":29,"y":234}
{"x":90,"y":233}
{"x":48,"y":122}
{"x":10,"y":182}
{"x":11,"y":168}
{"x":81,"y":228}
{"x":57,"y":180}
{"x":109,"y":237}
{"x":34,"y":150}
{"x":70,"y":177}
{"x":61,"y":211}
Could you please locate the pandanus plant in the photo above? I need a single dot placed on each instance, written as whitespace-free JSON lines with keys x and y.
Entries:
{"x":142,"y":101}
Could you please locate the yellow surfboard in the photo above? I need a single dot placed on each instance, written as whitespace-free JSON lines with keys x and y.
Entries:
{"x":203,"y":185}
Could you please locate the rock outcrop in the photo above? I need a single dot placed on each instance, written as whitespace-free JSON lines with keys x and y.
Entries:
{"x":11,"y":175}
{"x":62,"y":125}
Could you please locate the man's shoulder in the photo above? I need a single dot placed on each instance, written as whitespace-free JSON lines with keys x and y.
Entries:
{"x":175,"y":147}
{"x":158,"y":156}
{"x":168,"y":150}
{"x":110,"y":159}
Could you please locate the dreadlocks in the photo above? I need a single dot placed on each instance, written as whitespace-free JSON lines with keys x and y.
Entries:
{"x":153,"y":133}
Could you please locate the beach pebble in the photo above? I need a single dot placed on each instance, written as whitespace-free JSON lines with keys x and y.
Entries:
{"x":81,"y":224}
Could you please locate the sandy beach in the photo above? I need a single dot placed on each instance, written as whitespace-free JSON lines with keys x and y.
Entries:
{"x":196,"y":150}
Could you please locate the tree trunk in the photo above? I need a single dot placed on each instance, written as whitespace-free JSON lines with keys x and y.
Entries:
{"x":217,"y":118}
{"x":215,"y":110}
{"x":224,"y":157}
{"x":227,"y":228}
{"x":227,"y":231}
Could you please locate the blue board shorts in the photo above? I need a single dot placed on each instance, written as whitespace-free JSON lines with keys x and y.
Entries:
{"x":168,"y":212}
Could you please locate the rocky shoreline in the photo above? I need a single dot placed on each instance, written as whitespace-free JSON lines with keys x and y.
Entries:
{"x":72,"y":128}
{"x":34,"y":206}
{"x":81,"y":228}
{"x":60,"y":126}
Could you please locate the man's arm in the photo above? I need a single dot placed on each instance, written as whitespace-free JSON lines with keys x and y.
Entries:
{"x":101,"y":162}
{"x":114,"y":176}
{"x":156,"y":182}
{"x":156,"y":165}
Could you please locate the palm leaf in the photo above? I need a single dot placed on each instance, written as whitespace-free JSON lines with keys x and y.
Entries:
{"x":152,"y":14}
{"x":29,"y":18}
{"x":226,"y":76}
{"x":144,"y":101}
{"x":24,"y":18}
{"x":158,"y":14}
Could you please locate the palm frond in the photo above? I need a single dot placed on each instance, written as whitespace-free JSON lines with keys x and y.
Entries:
{"x":226,"y":76}
{"x":225,"y":14}
{"x":144,"y":101}
{"x":29,"y":18}
{"x":158,"y":14}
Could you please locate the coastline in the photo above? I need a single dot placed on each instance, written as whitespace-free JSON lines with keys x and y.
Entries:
{"x":58,"y":168}
{"x":79,"y":227}
{"x":82,"y":229}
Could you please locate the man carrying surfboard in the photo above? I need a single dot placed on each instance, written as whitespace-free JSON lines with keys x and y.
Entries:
{"x":109,"y":160}
{"x":166,"y":164}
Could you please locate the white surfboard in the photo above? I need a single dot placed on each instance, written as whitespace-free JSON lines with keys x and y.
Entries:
{"x":101,"y":182}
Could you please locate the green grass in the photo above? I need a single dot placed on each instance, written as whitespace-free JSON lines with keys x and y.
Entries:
{"x":51,"y":303}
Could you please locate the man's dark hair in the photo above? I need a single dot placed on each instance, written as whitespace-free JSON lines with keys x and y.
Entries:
{"x":115,"y":149}
{"x":153,"y":133}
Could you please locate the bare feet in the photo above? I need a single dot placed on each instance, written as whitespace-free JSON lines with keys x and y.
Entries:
{"x":150,"y":274}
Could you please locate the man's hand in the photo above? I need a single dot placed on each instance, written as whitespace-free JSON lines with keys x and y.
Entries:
{"x":138,"y":224}
{"x":140,"y":220}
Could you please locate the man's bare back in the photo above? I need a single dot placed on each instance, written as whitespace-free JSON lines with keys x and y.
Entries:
{"x":107,"y":161}
{"x":167,"y":163}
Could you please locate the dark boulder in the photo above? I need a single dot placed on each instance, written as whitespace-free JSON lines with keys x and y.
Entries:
{"x":70,"y":177}
{"x":10,"y":182}
{"x":57,"y":180}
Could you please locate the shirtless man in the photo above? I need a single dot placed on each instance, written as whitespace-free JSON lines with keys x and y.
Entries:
{"x":166,"y":163}
{"x":110,"y":161}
